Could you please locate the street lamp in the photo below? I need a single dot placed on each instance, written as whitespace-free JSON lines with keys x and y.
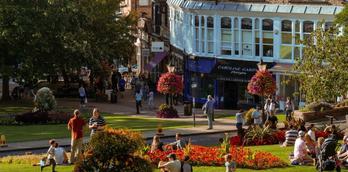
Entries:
{"x":171,"y":67}
{"x":261,"y":65}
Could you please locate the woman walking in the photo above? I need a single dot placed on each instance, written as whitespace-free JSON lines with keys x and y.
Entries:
{"x":208,"y":109}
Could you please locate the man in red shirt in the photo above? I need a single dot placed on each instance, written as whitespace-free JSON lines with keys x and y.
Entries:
{"x":75,"y":125}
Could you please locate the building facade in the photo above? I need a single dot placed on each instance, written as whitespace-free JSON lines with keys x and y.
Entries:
{"x":223,"y":42}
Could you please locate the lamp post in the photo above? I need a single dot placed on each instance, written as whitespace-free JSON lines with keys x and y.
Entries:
{"x":262,"y":67}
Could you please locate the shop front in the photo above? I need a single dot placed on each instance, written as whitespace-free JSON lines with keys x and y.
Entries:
{"x":226,"y":80}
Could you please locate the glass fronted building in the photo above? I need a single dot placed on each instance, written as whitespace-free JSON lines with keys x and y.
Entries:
{"x":225,"y":40}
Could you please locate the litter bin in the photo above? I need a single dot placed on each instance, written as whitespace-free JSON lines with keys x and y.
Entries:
{"x":187,"y":108}
{"x":113,"y":97}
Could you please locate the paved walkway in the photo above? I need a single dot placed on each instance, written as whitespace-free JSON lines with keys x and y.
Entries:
{"x":126,"y":105}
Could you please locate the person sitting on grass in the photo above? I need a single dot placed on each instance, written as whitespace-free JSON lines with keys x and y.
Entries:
{"x":290,"y":136}
{"x":343,"y":152}
{"x":229,"y":164}
{"x":300,"y":151}
{"x":185,"y":165}
{"x":173,"y":165}
{"x":156,"y":144}
{"x":60,"y":155}
{"x":179,"y":142}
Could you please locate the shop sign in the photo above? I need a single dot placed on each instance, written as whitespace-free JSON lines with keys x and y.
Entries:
{"x":157,"y":47}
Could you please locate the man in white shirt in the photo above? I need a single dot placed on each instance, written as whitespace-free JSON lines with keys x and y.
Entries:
{"x":173,"y":165}
{"x":179,"y":143}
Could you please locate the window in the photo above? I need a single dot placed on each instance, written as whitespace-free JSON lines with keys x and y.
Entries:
{"x":286,"y":37}
{"x":197,"y":33}
{"x":246,"y":36}
{"x":226,"y":36}
{"x":202,"y":34}
{"x":236,"y":36}
{"x":307,"y":29}
{"x":257,"y":37}
{"x":298,"y":43}
{"x":328,"y":25}
{"x":210,"y":34}
{"x":267,"y":37}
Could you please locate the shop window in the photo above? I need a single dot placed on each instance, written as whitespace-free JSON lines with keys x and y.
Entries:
{"x":226,"y":36}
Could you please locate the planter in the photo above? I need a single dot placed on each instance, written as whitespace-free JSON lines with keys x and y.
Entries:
{"x":309,"y":116}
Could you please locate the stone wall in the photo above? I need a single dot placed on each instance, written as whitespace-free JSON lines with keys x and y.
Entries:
{"x":309,"y":116}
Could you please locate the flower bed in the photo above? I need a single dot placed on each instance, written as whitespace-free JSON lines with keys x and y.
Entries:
{"x":275,"y":138}
{"x":213,"y":156}
{"x":166,"y":111}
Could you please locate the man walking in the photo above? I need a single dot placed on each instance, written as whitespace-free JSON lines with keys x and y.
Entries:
{"x":75,"y":125}
{"x":208,"y":109}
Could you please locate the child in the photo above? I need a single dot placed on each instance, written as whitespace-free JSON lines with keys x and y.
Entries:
{"x":50,"y":156}
{"x":150,"y":100}
{"x":229,"y":164}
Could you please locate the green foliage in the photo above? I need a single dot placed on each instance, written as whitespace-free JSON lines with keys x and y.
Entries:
{"x":44,"y":100}
{"x":248,"y":118}
{"x":342,"y":18}
{"x":322,"y":72}
{"x":51,"y":37}
{"x":257,"y":133}
{"x":114,"y":150}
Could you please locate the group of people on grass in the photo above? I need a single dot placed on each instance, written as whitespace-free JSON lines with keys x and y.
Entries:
{"x":307,"y":147}
{"x":57,"y":155}
{"x":173,"y":164}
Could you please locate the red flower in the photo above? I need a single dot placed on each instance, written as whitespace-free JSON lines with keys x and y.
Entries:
{"x":262,"y":84}
{"x":170,"y":83}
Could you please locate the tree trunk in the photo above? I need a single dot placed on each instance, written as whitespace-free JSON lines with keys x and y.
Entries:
{"x":5,"y":88}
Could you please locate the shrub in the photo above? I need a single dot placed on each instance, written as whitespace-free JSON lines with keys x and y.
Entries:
{"x":114,"y":150}
{"x":317,"y":107}
{"x":44,"y":100}
{"x":248,"y":118}
{"x":59,"y":117}
{"x":166,"y":111}
{"x":7,"y":119}
{"x":32,"y":117}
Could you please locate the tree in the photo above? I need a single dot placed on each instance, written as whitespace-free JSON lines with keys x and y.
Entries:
{"x":51,"y":37}
{"x":342,"y":18}
{"x":322,"y":72}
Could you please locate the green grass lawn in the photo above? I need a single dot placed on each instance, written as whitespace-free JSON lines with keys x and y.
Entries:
{"x":47,"y":131}
{"x":275,"y":149}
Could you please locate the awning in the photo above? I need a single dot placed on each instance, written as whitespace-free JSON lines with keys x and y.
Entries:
{"x":155,"y":61}
{"x":202,"y":65}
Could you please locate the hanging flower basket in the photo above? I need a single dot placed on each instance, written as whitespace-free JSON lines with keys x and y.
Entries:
{"x":170,"y":83}
{"x":262,"y":84}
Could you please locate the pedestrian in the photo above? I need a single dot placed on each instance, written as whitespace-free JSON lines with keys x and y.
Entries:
{"x":311,"y":132}
{"x":138,"y":97}
{"x":179,"y":143}
{"x":156,"y":144}
{"x":50,"y":156}
{"x":96,"y":122}
{"x":146,"y":91}
{"x":229,"y":164}
{"x":266,"y":108}
{"x":83,"y":96}
{"x":239,"y":124}
{"x":122,"y":85}
{"x":75,"y":125}
{"x":208,"y":109}
{"x":256,"y":115}
{"x":172,"y":165}
{"x":289,"y":108}
{"x":273,"y":120}
{"x":150,"y":100}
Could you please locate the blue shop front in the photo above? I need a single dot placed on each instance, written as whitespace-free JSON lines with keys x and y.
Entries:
{"x":225,"y":80}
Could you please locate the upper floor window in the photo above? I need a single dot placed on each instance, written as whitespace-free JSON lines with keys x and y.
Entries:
{"x":267,"y":37}
{"x":226,"y":36}
{"x":286,"y":37}
{"x":308,"y":27}
{"x":246,"y":23}
{"x":210,"y":34}
{"x":267,"y":24}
